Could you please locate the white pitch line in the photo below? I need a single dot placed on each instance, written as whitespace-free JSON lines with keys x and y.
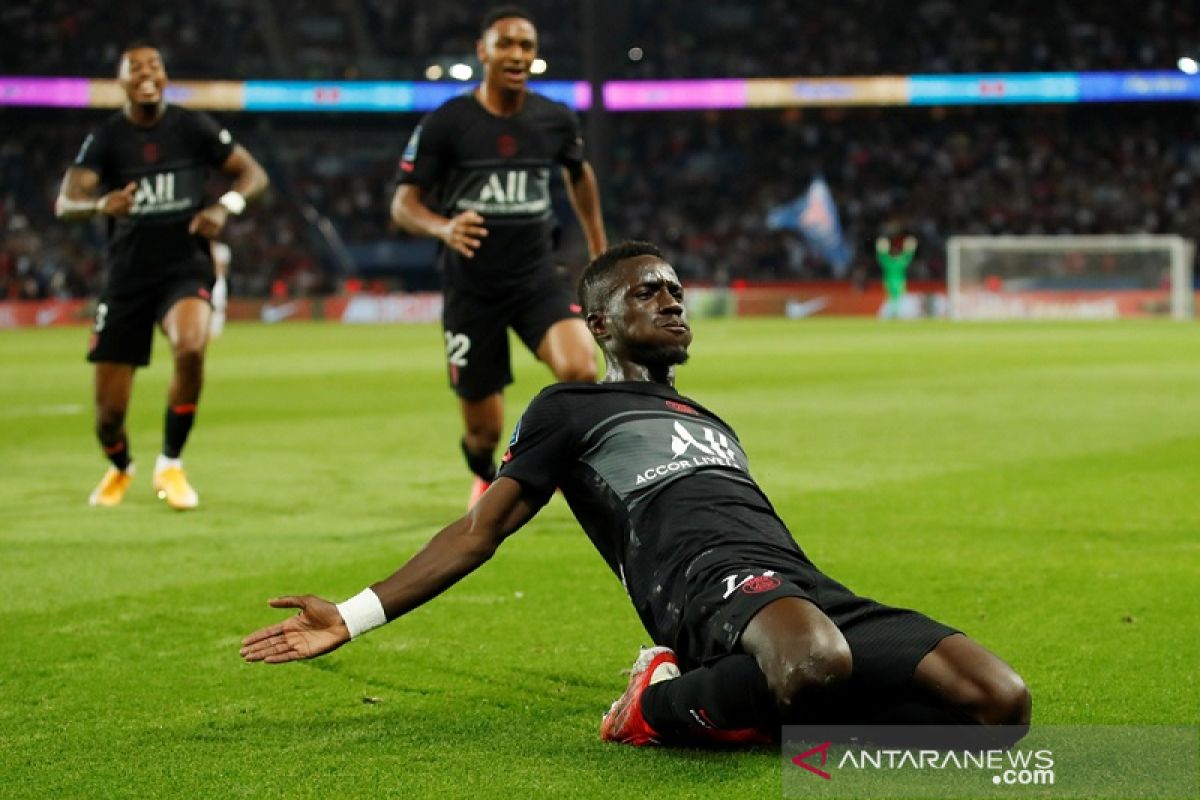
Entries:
{"x":62,"y":410}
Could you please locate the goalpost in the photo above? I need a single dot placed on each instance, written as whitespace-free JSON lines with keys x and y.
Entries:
{"x":1069,"y":277}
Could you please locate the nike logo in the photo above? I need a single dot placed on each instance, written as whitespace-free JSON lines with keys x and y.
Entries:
{"x":278,"y":313}
{"x":799,"y":309}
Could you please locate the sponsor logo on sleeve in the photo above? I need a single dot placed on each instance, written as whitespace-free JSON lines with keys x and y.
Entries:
{"x":83,"y":149}
{"x":410,"y":151}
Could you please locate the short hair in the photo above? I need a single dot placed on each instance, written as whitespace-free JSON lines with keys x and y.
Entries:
{"x":504,"y":12}
{"x":139,"y":44}
{"x":593,"y":284}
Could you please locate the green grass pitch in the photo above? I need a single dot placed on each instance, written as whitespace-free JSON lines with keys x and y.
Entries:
{"x":1037,"y":485}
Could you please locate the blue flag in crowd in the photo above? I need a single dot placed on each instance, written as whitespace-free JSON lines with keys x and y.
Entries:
{"x":814,"y":216}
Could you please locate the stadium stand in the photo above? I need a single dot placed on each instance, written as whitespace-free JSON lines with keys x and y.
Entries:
{"x":699,"y":182}
{"x":678,"y":38}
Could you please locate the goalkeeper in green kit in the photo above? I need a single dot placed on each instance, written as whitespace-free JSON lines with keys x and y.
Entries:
{"x":894,"y":266}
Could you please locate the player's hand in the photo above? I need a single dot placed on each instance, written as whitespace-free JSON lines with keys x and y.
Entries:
{"x":464,"y":233}
{"x":316,"y":630}
{"x":208,"y":222}
{"x":910,"y":244}
{"x":119,"y":202}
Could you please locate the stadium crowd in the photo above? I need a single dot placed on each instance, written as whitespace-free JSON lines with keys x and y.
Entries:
{"x":700,"y":183}
{"x":390,"y":40}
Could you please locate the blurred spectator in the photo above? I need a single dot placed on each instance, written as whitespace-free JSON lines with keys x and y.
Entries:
{"x":772,"y":38}
{"x":697,"y":182}
{"x":399,"y":39}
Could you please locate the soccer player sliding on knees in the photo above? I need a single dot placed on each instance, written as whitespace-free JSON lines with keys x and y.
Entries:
{"x":749,"y":633}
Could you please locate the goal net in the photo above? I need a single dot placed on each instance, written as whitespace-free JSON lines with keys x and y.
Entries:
{"x":1069,"y":277}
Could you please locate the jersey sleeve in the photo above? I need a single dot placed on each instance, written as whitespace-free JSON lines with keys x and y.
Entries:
{"x":425,"y":157}
{"x":214,"y":142}
{"x":542,"y":448}
{"x":92,"y":152}
{"x":570,"y":155}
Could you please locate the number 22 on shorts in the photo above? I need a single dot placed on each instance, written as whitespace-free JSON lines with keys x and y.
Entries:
{"x":457,"y":347}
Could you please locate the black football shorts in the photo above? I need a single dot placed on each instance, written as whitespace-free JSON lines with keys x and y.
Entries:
{"x":475,"y":328}
{"x":725,"y":587}
{"x":123,"y":331}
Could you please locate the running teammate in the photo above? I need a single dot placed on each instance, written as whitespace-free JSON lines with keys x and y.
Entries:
{"x":476,"y":175}
{"x":222,"y":257}
{"x":749,"y":632}
{"x":145,"y":168}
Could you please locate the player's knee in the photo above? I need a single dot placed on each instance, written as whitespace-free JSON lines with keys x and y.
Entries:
{"x":999,"y":697}
{"x":817,"y":668}
{"x":1006,"y":701}
{"x":109,"y":422}
{"x":481,"y":438}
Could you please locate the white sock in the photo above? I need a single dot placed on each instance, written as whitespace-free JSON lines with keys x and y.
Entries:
{"x":162,"y":462}
{"x":665,"y":672}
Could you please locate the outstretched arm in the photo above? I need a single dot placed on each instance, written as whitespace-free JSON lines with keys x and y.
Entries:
{"x":462,"y":233}
{"x":456,"y":551}
{"x":584,"y":194}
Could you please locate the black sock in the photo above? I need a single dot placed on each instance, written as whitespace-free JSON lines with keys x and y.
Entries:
{"x":732,"y":694}
{"x":480,"y":463}
{"x":178,"y":426}
{"x":117,"y":451}
{"x":110,"y":430}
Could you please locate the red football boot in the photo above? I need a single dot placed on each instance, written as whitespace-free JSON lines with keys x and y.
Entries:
{"x":624,"y":722}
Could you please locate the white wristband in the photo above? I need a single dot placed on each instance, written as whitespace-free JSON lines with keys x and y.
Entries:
{"x":64,"y":205}
{"x":362,"y":613}
{"x":234,"y":202}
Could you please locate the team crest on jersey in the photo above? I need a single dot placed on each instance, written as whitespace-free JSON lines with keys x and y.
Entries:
{"x":506,"y":145}
{"x":761,"y":583}
{"x":150,"y":152}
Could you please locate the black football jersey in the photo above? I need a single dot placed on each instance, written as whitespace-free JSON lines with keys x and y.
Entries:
{"x":465,"y":158}
{"x":170,"y":163}
{"x":654,"y":478}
